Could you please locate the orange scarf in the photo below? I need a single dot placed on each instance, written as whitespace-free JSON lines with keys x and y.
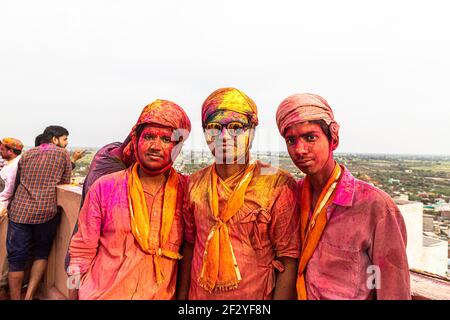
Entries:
{"x":311,"y":231}
{"x":220,"y":271}
{"x":140,"y":220}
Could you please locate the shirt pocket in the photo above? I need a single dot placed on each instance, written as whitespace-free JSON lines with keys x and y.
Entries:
{"x":253,"y":225}
{"x":334,"y":272}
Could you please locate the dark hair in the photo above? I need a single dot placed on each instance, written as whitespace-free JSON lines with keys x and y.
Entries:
{"x":38,"y":140}
{"x":139,"y":130}
{"x":325,"y":128}
{"x":53,"y":131}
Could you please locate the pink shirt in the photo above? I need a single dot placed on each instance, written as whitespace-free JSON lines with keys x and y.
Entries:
{"x":362,"y":252}
{"x":8,"y":175}
{"x":106,"y":252}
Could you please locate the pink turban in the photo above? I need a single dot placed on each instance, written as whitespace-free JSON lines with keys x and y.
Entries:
{"x":305,"y":107}
{"x":160,"y":112}
{"x":229,"y":99}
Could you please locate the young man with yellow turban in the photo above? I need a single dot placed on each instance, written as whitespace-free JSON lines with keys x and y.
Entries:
{"x":353,"y":235}
{"x":241,"y":227}
{"x":130,"y":226}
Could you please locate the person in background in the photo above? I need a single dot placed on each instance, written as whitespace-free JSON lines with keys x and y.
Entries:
{"x":10,"y":150}
{"x":61,"y":141}
{"x":38,"y":140}
{"x":32,"y":213}
{"x":108,"y":159}
{"x":353,"y":235}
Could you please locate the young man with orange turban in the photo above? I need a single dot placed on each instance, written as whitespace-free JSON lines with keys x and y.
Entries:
{"x":10,"y":151}
{"x":353,"y":235}
{"x":130,"y":226}
{"x":241,"y":227}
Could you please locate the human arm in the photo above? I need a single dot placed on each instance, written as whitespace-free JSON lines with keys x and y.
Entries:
{"x":184,"y":272}
{"x":65,"y":179}
{"x":389,"y":270}
{"x":84,"y":244}
{"x":285,"y":235}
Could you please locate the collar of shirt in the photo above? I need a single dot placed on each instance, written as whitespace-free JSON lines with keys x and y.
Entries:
{"x":345,"y":189}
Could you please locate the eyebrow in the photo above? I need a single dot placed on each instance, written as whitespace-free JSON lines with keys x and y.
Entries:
{"x":304,"y":134}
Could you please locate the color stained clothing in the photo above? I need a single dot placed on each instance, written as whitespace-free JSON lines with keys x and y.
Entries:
{"x":8,"y":175}
{"x":364,"y":231}
{"x":40,"y":170}
{"x":103,"y":163}
{"x":264,"y":229}
{"x":106,"y":253}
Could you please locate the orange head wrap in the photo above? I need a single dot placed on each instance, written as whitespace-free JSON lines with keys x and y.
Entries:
{"x":12,"y":143}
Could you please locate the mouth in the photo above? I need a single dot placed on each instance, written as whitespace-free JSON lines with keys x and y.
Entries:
{"x":226,"y":147}
{"x":154,"y":156}
{"x":304,"y":162}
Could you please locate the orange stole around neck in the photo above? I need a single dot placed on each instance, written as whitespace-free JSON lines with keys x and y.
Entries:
{"x":220,"y":271}
{"x":140,"y":220}
{"x":311,"y":230}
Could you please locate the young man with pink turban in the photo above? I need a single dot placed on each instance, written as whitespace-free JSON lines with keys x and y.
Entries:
{"x":353,"y":235}
{"x":241,"y":227}
{"x":130,"y":226}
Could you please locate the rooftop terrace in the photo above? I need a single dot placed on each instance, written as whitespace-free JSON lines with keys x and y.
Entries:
{"x":424,"y":286}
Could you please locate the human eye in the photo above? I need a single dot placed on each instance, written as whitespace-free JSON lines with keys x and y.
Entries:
{"x":213,"y":129}
{"x":149,"y":137}
{"x":311,"y":138}
{"x":290,"y":141}
{"x":166,"y":139}
{"x":235,"y":128}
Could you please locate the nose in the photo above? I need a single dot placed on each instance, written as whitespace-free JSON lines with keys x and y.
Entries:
{"x":156,"y":144}
{"x":300,"y":148}
{"x":225,"y":135}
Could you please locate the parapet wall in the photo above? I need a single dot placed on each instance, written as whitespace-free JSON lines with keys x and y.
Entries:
{"x":423,"y":286}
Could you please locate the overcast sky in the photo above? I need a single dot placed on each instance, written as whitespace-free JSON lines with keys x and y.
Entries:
{"x":91,"y":66}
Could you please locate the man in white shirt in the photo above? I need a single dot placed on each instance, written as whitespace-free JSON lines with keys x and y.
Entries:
{"x":10,"y":151}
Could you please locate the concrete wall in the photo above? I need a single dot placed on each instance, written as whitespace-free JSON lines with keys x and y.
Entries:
{"x":55,"y":281}
{"x":434,"y":256}
{"x":3,"y":254}
{"x":413,"y":215}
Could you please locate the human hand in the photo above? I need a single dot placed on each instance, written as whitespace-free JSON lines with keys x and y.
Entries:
{"x":78,"y":154}
{"x":3,"y":212}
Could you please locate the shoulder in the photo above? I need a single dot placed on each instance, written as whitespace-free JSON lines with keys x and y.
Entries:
{"x":109,"y":182}
{"x":54,"y":150}
{"x":182,"y":179}
{"x":198,"y":176}
{"x":25,"y":155}
{"x":274,"y":175}
{"x":373,"y":198}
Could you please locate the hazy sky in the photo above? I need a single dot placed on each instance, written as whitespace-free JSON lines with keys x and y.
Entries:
{"x":92,"y":66}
